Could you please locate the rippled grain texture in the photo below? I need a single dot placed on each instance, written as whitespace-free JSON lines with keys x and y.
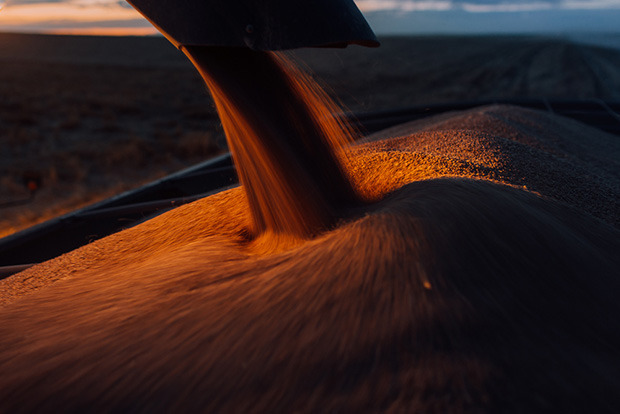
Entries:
{"x":482,"y":279}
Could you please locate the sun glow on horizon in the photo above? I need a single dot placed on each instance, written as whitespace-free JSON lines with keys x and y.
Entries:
{"x":73,"y":18}
{"x":117,"y":17}
{"x":105,"y":31}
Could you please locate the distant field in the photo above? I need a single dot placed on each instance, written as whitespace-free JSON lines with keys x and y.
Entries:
{"x":87,"y":117}
{"x":609,"y":40}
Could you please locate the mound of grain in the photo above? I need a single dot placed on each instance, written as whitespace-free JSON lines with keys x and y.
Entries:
{"x":482,"y":278}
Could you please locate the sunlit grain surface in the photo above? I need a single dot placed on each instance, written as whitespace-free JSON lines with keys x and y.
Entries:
{"x":182,"y":313}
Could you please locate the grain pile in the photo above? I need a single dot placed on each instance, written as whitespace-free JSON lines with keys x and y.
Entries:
{"x":480,"y":277}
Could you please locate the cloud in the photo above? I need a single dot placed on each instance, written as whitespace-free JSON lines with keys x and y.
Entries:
{"x":73,"y":16}
{"x":507,"y":7}
{"x":22,"y":2}
{"x":485,"y":6}
{"x":404,"y":5}
{"x":590,"y":4}
{"x":79,"y":3}
{"x":474,"y":6}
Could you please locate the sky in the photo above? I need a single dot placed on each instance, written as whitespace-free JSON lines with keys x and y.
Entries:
{"x":116,"y":17}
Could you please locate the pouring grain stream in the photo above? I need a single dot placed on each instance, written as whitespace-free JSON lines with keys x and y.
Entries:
{"x":284,"y":139}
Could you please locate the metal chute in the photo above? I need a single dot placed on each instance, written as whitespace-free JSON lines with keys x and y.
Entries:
{"x":258,"y":24}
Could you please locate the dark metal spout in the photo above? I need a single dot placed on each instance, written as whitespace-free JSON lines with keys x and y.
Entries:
{"x":259,"y":24}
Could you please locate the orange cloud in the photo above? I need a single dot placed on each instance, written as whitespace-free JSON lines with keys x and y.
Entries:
{"x":67,"y":18}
